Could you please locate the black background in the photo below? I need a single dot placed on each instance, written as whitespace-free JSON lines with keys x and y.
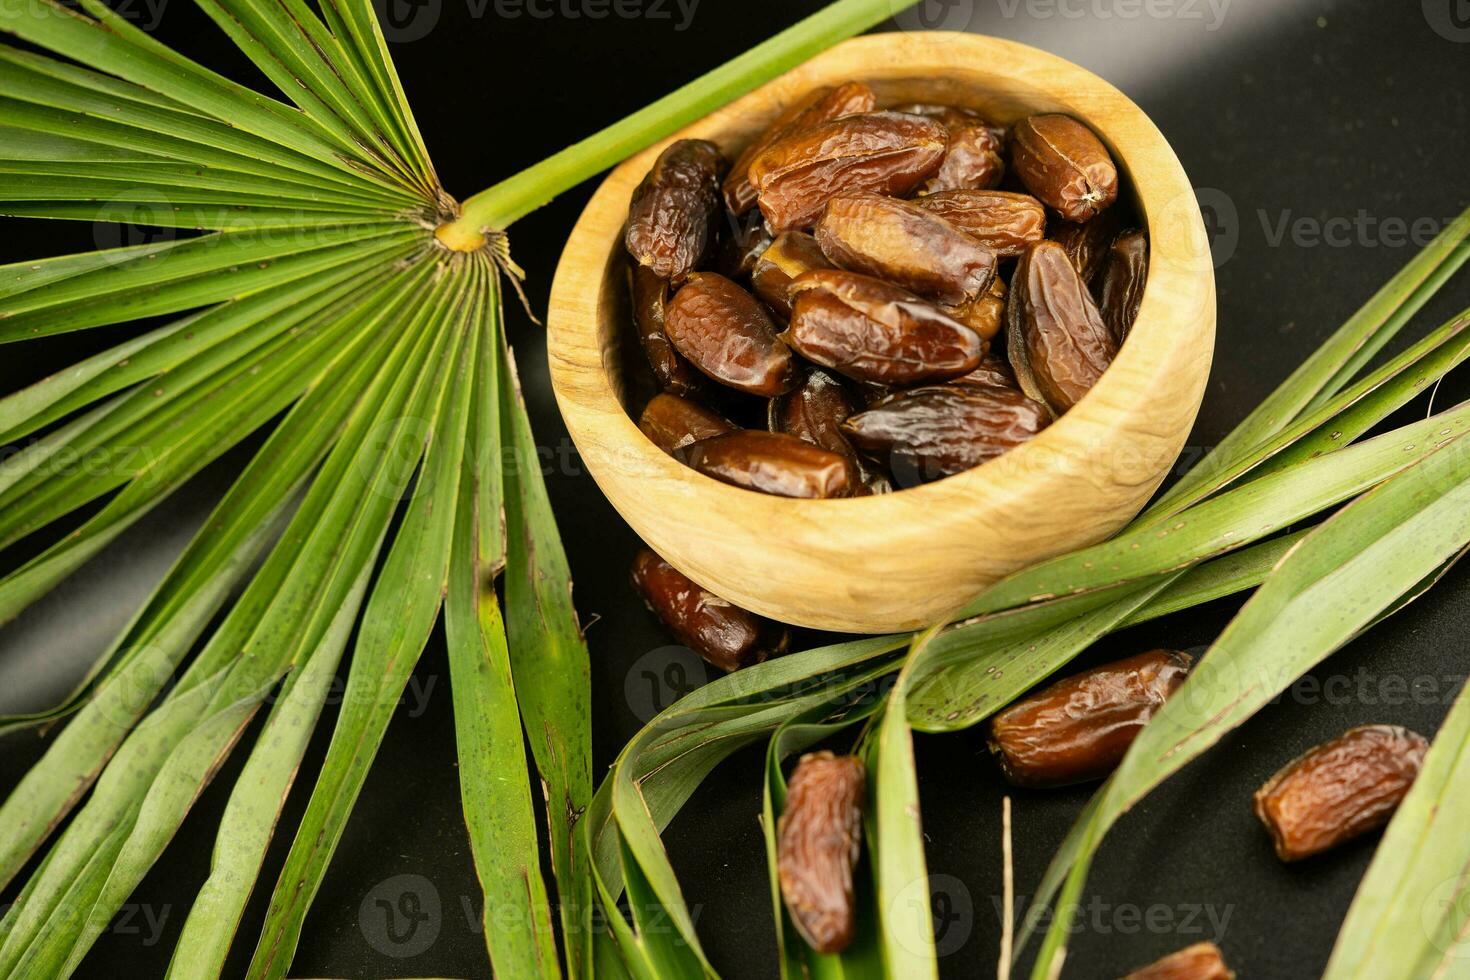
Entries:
{"x":1302,"y":112}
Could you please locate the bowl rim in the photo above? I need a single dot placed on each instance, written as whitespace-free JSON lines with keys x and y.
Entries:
{"x":1173,"y":333}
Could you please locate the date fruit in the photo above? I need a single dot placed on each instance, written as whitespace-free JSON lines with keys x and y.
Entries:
{"x":790,"y":255}
{"x":1202,"y":961}
{"x":822,"y":105}
{"x":741,"y":244}
{"x":1006,"y":223}
{"x":815,"y":413}
{"x":985,"y":313}
{"x":974,"y":156}
{"x":875,"y":332}
{"x":818,"y":839}
{"x":1056,"y":338}
{"x":672,"y":422}
{"x":905,"y":245}
{"x":883,"y":152}
{"x":726,"y":333}
{"x":1340,"y":789}
{"x":719,"y":631}
{"x":673,"y":209}
{"x":1078,"y":729}
{"x":993,"y":371}
{"x":939,"y":430}
{"x":774,"y":463}
{"x":1064,"y":165}
{"x":1120,"y":287}
{"x":650,"y":294}
{"x":1087,"y":244}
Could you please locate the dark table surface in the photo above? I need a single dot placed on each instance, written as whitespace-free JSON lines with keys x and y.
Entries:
{"x":1323,"y":136}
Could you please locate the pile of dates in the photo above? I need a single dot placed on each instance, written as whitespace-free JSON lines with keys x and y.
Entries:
{"x":869,"y":299}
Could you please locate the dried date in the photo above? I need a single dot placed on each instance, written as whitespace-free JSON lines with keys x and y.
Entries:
{"x":1064,"y":165}
{"x":936,"y":431}
{"x":883,"y":152}
{"x":1006,"y":223}
{"x":1340,"y":789}
{"x":822,"y":105}
{"x":818,"y":839}
{"x":790,"y":255}
{"x":875,"y":332}
{"x":905,"y":245}
{"x":815,"y":412}
{"x":741,"y":245}
{"x":670,"y":218}
{"x":673,"y":423}
{"x":1078,"y":729}
{"x":993,"y":371}
{"x":1121,"y":283}
{"x":985,"y":313}
{"x":650,"y":294}
{"x":774,"y":463}
{"x":1087,"y":244}
{"x":719,"y":631}
{"x":726,"y":333}
{"x":1055,"y":336}
{"x":1202,"y":961}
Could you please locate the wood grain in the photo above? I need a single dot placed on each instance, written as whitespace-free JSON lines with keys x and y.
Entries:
{"x":903,"y":560}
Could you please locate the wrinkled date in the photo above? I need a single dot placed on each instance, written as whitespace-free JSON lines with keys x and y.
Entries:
{"x":722,"y":633}
{"x":741,"y":246}
{"x":823,"y":105}
{"x":927,"y":433}
{"x":973,"y":159}
{"x":1120,"y":287}
{"x":1202,"y":961}
{"x":906,"y":245}
{"x":993,"y":371}
{"x":818,"y":839}
{"x":1079,"y":728}
{"x":1064,"y":165}
{"x":883,"y":152}
{"x":790,"y":255}
{"x":726,"y":333}
{"x":985,"y":313}
{"x":815,"y":412}
{"x":650,"y":303}
{"x":875,"y":332}
{"x":774,"y":463}
{"x":1004,"y":222}
{"x":672,"y":422}
{"x":1056,"y":338}
{"x":673,"y":209}
{"x":1340,"y":789}
{"x":1087,"y":244}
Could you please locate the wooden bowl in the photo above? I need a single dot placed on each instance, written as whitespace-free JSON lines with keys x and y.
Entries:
{"x":905,"y":559}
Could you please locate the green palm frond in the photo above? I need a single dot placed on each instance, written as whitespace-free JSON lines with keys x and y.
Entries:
{"x":317,"y":287}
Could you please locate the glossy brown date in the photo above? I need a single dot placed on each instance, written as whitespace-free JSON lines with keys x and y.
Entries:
{"x":815,"y":412}
{"x":993,"y":371}
{"x":774,"y":463}
{"x":673,"y":373}
{"x":985,"y":313}
{"x":1121,"y":283}
{"x":1340,"y":789}
{"x":875,"y":332}
{"x":719,"y":631}
{"x":818,"y":839}
{"x":1202,"y":961}
{"x":670,"y":218}
{"x":790,"y":255}
{"x":1078,"y":729}
{"x":1064,"y":165}
{"x":1087,"y":244}
{"x":974,"y":157}
{"x":1006,"y":223}
{"x":740,"y":245}
{"x":726,"y":333}
{"x":822,"y":105}
{"x":1055,"y":336}
{"x":882,"y":152}
{"x":936,"y":431}
{"x":673,"y":423}
{"x":905,"y":245}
